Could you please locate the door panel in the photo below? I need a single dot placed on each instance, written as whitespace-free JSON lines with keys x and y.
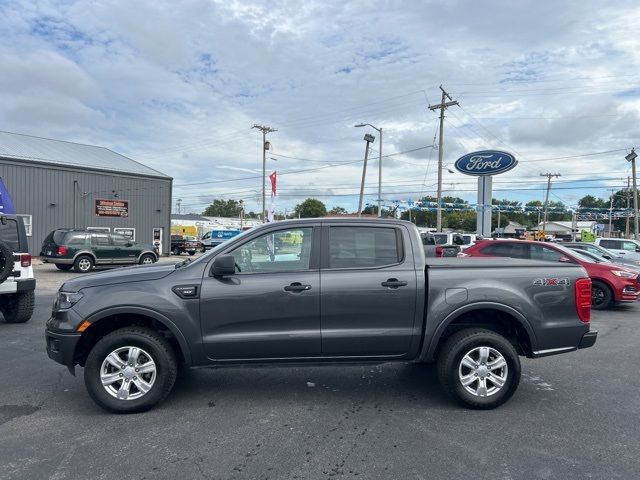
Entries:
{"x":122,"y":251}
{"x":271,"y":307}
{"x":359,"y":315}
{"x":102,"y":248}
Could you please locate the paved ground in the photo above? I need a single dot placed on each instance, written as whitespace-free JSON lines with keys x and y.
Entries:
{"x":574,"y":416}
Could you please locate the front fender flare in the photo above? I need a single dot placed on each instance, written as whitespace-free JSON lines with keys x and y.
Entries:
{"x":147,"y":312}
{"x":429,"y":355}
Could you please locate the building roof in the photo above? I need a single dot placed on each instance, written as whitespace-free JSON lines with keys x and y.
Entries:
{"x":69,"y":154}
{"x":566,"y":225}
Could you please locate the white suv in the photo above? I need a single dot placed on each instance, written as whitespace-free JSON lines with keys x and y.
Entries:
{"x":628,"y":249}
{"x":17,"y":284}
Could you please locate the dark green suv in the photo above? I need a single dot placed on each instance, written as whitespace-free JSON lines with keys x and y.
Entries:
{"x":82,"y":250}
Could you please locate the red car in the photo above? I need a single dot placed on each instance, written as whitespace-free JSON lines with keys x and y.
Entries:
{"x":611,"y":282}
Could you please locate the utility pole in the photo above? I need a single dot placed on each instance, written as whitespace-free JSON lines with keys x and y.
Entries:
{"x":179,"y":202}
{"x":265,"y":146}
{"x":546,"y":199}
{"x":628,"y":197}
{"x":368,"y":139}
{"x":632,"y":158}
{"x":611,"y":210}
{"x":442,"y":107}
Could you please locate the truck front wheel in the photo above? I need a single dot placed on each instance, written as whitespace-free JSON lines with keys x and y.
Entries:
{"x":479,"y":368}
{"x":130,"y":370}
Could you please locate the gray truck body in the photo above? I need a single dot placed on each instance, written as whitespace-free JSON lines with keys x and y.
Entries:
{"x":345,"y":314}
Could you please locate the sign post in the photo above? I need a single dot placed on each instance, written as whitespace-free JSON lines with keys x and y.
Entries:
{"x":484,"y":164}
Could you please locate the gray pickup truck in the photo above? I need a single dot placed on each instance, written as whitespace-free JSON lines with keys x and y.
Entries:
{"x":318,"y":290}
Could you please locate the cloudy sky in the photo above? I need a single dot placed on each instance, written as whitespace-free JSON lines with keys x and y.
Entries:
{"x":178,"y":86}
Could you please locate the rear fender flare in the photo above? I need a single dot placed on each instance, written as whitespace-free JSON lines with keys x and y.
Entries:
{"x":433,"y":344}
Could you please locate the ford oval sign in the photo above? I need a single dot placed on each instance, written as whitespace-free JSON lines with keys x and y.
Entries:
{"x":485,"y":162}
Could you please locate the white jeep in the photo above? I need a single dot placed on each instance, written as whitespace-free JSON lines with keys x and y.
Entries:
{"x":17,"y":284}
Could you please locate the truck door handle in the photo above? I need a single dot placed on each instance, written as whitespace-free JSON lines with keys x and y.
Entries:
{"x":394,"y":283}
{"x":297,"y":287}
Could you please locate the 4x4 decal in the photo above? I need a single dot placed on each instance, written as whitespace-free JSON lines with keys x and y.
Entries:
{"x":548,"y":282}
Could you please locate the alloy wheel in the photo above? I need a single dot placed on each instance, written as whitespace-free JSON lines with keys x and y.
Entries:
{"x":483,"y":371}
{"x":128,"y":373}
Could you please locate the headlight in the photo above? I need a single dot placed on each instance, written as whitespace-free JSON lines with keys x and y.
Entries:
{"x":623,"y":274}
{"x":66,"y":300}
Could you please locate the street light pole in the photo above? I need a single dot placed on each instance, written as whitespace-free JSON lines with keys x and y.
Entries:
{"x":632,"y":158}
{"x":379,"y":164}
{"x":368,"y":139}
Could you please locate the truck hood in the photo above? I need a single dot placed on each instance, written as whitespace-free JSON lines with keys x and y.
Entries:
{"x":119,"y":275}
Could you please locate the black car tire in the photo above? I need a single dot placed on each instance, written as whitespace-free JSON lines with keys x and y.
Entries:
{"x":450,"y":358}
{"x":601,"y":296}
{"x":6,"y":261}
{"x":19,"y":308}
{"x":80,"y":264}
{"x":146,"y":256}
{"x":146,"y":339}
{"x":176,"y":251}
{"x":192,"y":253}
{"x":64,"y":267}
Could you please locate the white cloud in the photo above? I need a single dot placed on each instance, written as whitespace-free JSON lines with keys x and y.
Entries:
{"x":178,"y":86}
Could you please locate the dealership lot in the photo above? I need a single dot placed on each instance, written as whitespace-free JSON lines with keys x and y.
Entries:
{"x":574,"y":416}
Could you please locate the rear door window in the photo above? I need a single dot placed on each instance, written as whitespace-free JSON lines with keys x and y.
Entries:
{"x":362,"y":247}
{"x":615,"y":244}
{"x":441,"y":239}
{"x":100,"y":239}
{"x":510,"y":250}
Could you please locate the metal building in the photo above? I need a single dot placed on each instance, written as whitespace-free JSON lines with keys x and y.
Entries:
{"x":57,"y":184}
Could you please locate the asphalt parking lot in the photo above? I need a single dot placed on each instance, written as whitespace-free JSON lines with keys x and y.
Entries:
{"x":574,"y":416}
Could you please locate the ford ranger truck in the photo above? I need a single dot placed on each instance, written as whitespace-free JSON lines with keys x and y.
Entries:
{"x":318,"y":290}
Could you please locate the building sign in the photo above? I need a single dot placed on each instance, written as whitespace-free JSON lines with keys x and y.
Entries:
{"x":129,"y":233}
{"x":485,"y":162}
{"x":112,"y":208}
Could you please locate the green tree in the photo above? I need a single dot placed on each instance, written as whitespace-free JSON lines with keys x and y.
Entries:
{"x":589,"y":201}
{"x":337,"y":211}
{"x":310,"y":208}
{"x":223,"y":208}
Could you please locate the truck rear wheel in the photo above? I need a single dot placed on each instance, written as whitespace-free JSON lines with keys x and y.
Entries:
{"x":19,"y":308}
{"x":130,"y":370}
{"x":83,"y":264}
{"x":479,"y":368}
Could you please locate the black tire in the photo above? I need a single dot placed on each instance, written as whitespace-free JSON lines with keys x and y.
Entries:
{"x":449,"y":368}
{"x":83,"y":264}
{"x":176,"y":251}
{"x":63,"y":267}
{"x":192,"y":253}
{"x":601,"y":296}
{"x":6,"y":261}
{"x":158,"y":349}
{"x":144,"y":259}
{"x":19,"y":308}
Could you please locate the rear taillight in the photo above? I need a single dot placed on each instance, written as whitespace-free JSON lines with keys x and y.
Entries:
{"x":62,"y":251}
{"x":583,"y":299}
{"x":439,"y":251}
{"x":25,"y":260}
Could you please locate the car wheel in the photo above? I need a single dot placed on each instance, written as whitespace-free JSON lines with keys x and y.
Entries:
{"x":130,"y":370}
{"x":175,"y":251}
{"x":64,"y":268}
{"x":19,"y":308}
{"x":147,"y":259}
{"x":192,"y":253}
{"x":601,"y":296}
{"x":83,"y":264}
{"x":479,"y":368}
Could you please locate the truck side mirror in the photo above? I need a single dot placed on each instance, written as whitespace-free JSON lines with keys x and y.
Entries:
{"x":223,"y":266}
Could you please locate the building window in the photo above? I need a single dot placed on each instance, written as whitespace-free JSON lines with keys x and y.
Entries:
{"x":27,"y":222}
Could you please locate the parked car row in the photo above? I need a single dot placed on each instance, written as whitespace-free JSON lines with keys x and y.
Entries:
{"x":611,"y":282}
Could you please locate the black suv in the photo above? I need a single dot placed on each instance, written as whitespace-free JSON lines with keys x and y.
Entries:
{"x":17,"y":284}
{"x":83,"y":249}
